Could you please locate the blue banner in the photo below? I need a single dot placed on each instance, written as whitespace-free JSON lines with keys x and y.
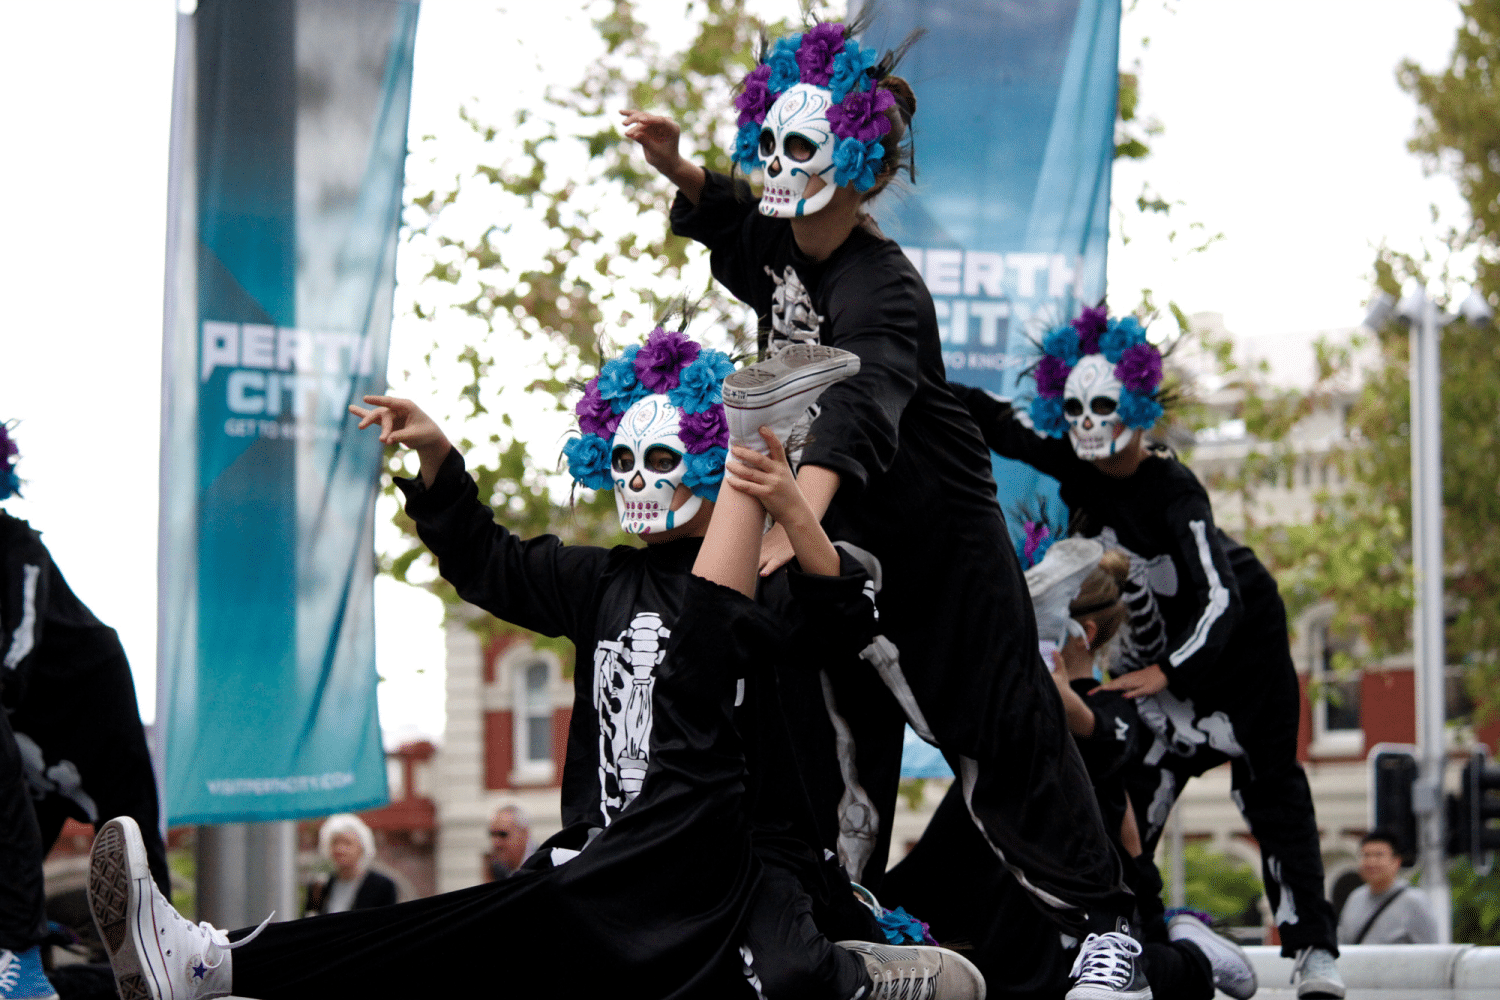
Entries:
{"x":1008,"y":219}
{"x":289,"y":146}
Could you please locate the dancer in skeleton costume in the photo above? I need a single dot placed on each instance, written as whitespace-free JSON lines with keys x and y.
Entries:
{"x":71,"y":740}
{"x":655,"y":887}
{"x":1222,"y":686}
{"x":896,"y":466}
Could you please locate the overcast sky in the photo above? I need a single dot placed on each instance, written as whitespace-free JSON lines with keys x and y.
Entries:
{"x":1285,"y":130}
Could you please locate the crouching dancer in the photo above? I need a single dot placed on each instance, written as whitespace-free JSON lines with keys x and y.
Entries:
{"x":650,"y":889}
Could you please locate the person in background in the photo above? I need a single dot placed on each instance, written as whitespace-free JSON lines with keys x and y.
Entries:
{"x":510,"y":841}
{"x":1385,"y":910}
{"x":347,"y":843}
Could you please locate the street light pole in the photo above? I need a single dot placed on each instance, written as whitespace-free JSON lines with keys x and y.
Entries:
{"x":1427,"y":561}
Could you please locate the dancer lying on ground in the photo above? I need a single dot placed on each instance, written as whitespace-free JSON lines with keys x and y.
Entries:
{"x":654,"y":888}
{"x":895,"y":466}
{"x":1221,"y":686}
{"x":71,"y":741}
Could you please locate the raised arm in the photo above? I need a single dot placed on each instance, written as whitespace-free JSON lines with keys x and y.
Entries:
{"x":1009,"y":437}
{"x":658,"y":135}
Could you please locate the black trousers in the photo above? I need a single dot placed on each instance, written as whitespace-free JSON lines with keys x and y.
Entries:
{"x":1257,"y":693}
{"x":787,"y":954}
{"x":23,"y":901}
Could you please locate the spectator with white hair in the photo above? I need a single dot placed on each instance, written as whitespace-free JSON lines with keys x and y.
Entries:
{"x":510,"y":841}
{"x":347,"y":843}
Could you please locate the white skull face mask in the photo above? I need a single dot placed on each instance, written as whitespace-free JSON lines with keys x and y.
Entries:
{"x":1091,"y":403}
{"x":646,"y":463}
{"x":796,"y":145}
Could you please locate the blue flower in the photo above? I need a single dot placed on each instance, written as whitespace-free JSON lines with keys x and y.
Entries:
{"x":588,"y":461}
{"x":700,"y":385}
{"x":785,"y":73}
{"x":857,"y":162}
{"x":1122,"y":334}
{"x":901,"y":927}
{"x":1137,"y":410}
{"x":1047,"y":416}
{"x":1062,"y":342}
{"x":705,"y":471}
{"x":851,"y":70}
{"x":747,"y":146}
{"x":618,"y":382}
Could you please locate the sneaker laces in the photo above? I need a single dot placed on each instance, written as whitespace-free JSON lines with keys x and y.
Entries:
{"x":215,"y":936}
{"x":894,"y":985}
{"x":10,"y":969}
{"x":1108,"y":959}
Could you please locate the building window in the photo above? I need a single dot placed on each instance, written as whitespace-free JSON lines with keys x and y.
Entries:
{"x":1336,"y":710}
{"x":533,"y":720}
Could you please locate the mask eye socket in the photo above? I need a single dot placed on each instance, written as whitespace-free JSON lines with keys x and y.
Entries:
{"x":660,"y":459}
{"x":800,"y":148}
{"x":623,"y":459}
{"x":1073,"y":407}
{"x":767,"y":143}
{"x":1102,"y":405}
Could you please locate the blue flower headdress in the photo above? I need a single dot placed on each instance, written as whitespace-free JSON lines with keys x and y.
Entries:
{"x":823,"y":56}
{"x":690,"y":376}
{"x":1123,"y":343}
{"x":10,"y":483}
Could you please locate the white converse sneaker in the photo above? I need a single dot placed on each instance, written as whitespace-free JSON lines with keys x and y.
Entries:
{"x":156,"y":952}
{"x":1233,"y":973}
{"x":21,"y":976}
{"x":917,"y":972}
{"x":1316,"y":975}
{"x":776,"y":392}
{"x":1107,"y":969}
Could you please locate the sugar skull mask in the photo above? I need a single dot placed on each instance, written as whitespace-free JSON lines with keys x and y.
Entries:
{"x":1091,"y":405}
{"x":647,"y":465}
{"x":796,"y":145}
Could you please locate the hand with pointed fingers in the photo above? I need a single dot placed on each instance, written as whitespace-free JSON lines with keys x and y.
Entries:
{"x":403,"y":422}
{"x":657,"y":136}
{"x":1138,"y":683}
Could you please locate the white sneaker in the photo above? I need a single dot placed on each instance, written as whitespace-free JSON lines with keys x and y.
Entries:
{"x":777,"y":392}
{"x":917,"y":972}
{"x":1316,"y":975}
{"x":156,"y":952}
{"x":1232,"y":971}
{"x":1107,"y":968}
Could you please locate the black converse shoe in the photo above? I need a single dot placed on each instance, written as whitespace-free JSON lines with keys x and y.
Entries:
{"x":776,"y":392}
{"x":917,"y":972}
{"x":1107,"y":968}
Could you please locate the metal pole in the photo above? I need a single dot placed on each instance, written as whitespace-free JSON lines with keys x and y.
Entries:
{"x":1176,"y":868}
{"x":1427,"y":544}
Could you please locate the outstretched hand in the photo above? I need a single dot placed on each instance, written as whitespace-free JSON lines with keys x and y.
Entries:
{"x":403,"y":422}
{"x":1138,"y":683}
{"x":658,"y":136}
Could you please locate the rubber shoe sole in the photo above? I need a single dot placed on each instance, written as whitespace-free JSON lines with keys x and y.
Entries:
{"x":775,"y":392}
{"x":114,"y":897}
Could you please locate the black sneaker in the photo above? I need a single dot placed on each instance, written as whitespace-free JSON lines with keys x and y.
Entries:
{"x":1108,"y":967}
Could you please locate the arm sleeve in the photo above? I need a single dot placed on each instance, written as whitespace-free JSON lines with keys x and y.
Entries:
{"x":1115,"y":738}
{"x":857,"y":431}
{"x":832,"y":616}
{"x":726,"y":221}
{"x":1203,"y":638}
{"x":538,"y":583}
{"x":1008,"y":437}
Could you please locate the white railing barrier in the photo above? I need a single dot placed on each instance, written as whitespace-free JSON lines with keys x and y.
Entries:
{"x":1394,"y":966}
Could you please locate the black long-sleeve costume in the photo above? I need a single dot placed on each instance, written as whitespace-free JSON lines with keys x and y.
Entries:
{"x":674,"y":788}
{"x":916,"y":492}
{"x":71,"y":741}
{"x":1232,"y":688}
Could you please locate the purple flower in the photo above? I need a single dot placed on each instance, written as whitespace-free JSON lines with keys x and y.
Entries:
{"x":851,"y":70}
{"x":1139,"y":369}
{"x":1038,"y":541}
{"x":662,"y":360}
{"x":703,"y":431}
{"x":7,"y":446}
{"x":1090,"y":325}
{"x":1051,"y":376}
{"x":785,"y":73}
{"x":857,"y":163}
{"x":595,"y":414}
{"x":754,"y":98}
{"x":819,"y":47}
{"x":862,"y":116}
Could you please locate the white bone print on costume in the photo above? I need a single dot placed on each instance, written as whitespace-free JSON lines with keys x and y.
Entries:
{"x":1286,"y":909}
{"x":624,"y":679}
{"x":793,"y":319}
